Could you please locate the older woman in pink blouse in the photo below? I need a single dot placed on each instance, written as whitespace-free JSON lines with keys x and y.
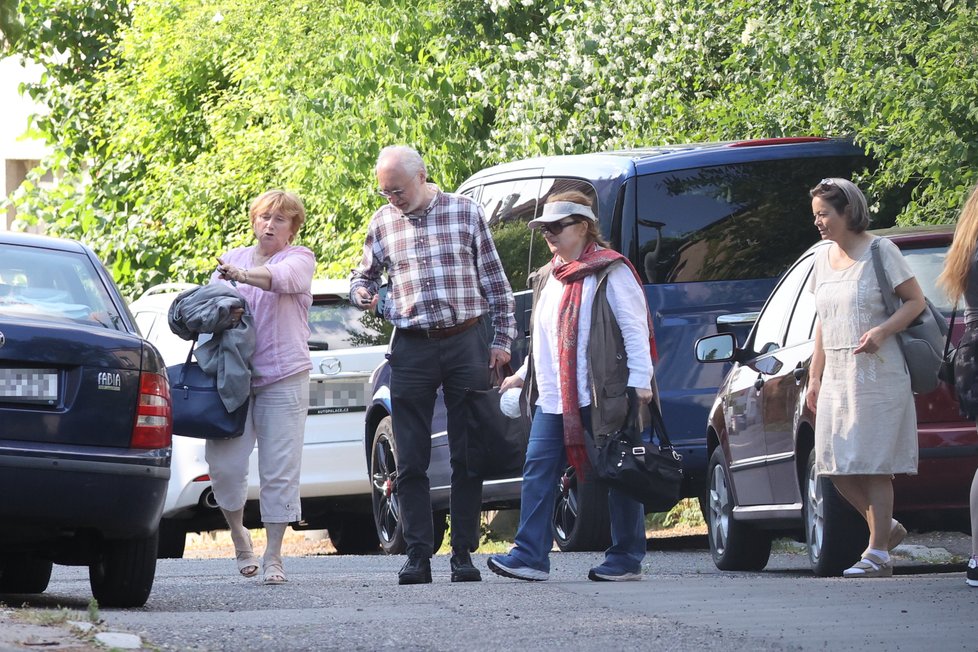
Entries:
{"x":275,"y":278}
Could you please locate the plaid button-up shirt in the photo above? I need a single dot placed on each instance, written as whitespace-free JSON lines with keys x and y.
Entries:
{"x":442,"y":265}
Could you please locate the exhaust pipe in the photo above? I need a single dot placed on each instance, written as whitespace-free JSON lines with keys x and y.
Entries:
{"x":208,"y":500}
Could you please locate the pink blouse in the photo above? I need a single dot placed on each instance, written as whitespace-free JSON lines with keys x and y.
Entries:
{"x":281,"y":314}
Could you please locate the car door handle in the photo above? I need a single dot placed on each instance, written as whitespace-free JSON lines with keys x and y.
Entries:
{"x":799,"y":373}
{"x":759,"y":383}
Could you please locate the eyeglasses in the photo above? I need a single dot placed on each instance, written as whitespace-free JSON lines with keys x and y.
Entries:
{"x":556,"y":228}
{"x":387,"y":194}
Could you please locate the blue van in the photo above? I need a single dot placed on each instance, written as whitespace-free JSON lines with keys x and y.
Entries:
{"x":709,"y":227}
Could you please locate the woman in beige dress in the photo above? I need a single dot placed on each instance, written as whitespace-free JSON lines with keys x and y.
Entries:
{"x":859,"y":387}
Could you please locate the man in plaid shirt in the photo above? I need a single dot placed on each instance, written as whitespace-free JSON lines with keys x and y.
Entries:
{"x":444,"y":274}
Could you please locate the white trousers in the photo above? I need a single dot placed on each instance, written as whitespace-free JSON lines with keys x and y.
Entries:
{"x":277,"y":422}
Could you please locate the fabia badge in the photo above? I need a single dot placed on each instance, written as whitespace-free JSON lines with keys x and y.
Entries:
{"x":110,"y":380}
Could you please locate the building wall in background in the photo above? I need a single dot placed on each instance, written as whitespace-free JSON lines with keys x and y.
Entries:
{"x":18,"y":155}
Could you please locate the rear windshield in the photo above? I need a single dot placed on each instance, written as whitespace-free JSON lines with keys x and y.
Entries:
{"x":737,"y":221}
{"x":52,"y":285}
{"x":334,"y":325}
{"x":927,"y":263}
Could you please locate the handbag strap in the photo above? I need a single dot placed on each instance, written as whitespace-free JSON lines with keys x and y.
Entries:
{"x":190,"y":355}
{"x":889,"y":296}
{"x":655,"y":419}
{"x":950,"y":329}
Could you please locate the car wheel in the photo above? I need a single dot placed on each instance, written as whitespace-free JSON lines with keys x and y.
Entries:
{"x":383,"y":474}
{"x":353,"y":534}
{"x":122,"y":574}
{"x":22,"y":575}
{"x":173,"y":540}
{"x":581,"y":521}
{"x":834,"y":532}
{"x":733,"y":545}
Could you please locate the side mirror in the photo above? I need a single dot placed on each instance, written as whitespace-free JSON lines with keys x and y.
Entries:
{"x":716,"y":348}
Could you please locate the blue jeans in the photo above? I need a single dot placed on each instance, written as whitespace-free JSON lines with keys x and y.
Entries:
{"x":545,"y":463}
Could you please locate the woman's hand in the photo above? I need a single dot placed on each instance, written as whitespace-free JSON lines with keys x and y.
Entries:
{"x":871,"y":341}
{"x":811,"y":396}
{"x":510,"y":382}
{"x":644,"y":395}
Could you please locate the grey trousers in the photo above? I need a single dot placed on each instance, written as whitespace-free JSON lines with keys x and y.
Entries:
{"x":277,"y":423}
{"x":418,"y":367}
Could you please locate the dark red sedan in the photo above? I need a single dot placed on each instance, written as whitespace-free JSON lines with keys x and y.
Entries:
{"x":761,"y":478}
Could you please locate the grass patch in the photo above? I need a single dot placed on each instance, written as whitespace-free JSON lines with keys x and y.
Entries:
{"x":59,"y":616}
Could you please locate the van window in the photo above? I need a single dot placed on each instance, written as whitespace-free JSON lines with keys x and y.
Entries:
{"x":509,"y":206}
{"x":731,"y":222}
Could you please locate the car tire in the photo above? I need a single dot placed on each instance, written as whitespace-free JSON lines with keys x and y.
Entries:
{"x":735,"y":546}
{"x":122,"y":575}
{"x":383,"y":473}
{"x":581,"y":522}
{"x":353,"y":534}
{"x":25,"y":575}
{"x":173,"y":540}
{"x":835,"y":534}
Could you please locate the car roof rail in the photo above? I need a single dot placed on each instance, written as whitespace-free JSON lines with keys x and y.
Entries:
{"x":168,"y":287}
{"x":757,"y":142}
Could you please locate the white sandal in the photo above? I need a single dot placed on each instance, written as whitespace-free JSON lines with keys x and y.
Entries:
{"x":273,"y":573}
{"x":247,"y":562}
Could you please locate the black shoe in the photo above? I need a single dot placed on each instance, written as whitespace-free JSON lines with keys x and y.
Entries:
{"x":416,"y":570}
{"x":462,"y":568}
{"x":972,"y":579}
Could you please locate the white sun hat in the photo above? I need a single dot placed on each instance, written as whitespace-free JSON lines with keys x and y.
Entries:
{"x":558,"y":210}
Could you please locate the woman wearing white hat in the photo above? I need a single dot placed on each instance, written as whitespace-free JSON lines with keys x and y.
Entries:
{"x":591,"y":340}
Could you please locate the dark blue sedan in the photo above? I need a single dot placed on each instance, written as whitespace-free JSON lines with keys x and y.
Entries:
{"x":85,"y":426}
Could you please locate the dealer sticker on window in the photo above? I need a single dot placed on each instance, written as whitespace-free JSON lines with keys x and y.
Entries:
{"x":28,"y":385}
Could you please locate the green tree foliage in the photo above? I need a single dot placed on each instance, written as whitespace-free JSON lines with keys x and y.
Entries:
{"x":898,"y":76}
{"x":201,"y":106}
{"x":169,"y":115}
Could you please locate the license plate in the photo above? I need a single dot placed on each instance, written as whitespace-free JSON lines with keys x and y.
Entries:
{"x":28,"y":385}
{"x":337,"y":396}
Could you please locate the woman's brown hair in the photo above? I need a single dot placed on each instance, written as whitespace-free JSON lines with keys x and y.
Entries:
{"x":954,"y":277}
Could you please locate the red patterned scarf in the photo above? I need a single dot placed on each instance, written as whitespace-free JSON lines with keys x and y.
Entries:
{"x":572,"y":275}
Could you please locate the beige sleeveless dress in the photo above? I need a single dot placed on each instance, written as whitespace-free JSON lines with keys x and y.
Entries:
{"x":865,"y":419}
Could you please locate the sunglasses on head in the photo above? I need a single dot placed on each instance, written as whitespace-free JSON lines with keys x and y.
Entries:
{"x":555,"y":228}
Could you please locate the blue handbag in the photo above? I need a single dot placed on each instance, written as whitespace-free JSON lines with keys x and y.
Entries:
{"x":198,"y":410}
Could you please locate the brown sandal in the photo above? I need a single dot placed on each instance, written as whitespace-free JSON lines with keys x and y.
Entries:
{"x":869,"y":566}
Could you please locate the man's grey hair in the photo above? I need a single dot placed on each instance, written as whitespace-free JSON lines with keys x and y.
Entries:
{"x":407,"y":157}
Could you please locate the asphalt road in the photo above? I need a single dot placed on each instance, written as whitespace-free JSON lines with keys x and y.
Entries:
{"x":684,"y":603}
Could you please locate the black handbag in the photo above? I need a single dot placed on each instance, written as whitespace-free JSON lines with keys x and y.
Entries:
{"x":649,"y":473}
{"x":495,"y":444}
{"x":198,"y":410}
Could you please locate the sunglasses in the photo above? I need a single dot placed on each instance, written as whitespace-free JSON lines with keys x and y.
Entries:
{"x":556,"y":228}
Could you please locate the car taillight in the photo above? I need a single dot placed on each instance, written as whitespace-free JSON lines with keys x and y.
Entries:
{"x":154,"y":416}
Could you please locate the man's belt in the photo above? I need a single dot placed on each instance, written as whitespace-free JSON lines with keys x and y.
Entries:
{"x":440,"y":333}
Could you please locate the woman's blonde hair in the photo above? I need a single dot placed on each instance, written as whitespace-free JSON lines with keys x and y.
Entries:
{"x":283,"y":201}
{"x":954,"y":277}
{"x":578,"y":197}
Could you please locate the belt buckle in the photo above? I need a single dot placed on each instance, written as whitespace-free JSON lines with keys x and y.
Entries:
{"x":638,"y":450}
